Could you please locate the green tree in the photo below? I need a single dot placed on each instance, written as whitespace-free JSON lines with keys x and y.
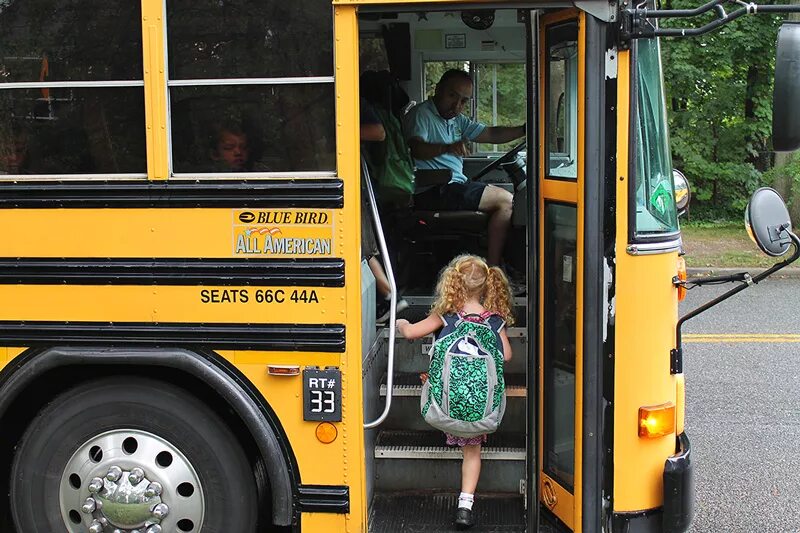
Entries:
{"x":719,"y":91}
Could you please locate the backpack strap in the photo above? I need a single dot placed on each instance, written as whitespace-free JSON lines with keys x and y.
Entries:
{"x":495,"y":322}
{"x":451,"y":319}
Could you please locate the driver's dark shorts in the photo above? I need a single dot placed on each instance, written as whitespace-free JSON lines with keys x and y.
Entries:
{"x":462,"y":196}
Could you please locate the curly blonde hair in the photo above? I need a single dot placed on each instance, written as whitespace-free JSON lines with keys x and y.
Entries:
{"x":469,"y":276}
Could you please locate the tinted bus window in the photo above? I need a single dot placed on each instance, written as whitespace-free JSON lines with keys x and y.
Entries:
{"x":63,"y":40}
{"x":93,"y":122}
{"x":249,"y":38}
{"x":269,"y":128}
{"x":250,"y":89}
{"x":72,"y":131}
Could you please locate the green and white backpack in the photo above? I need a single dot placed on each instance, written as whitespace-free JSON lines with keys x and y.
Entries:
{"x":465,"y":392}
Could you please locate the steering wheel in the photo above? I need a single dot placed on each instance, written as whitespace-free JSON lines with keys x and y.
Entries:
{"x":505,"y":158}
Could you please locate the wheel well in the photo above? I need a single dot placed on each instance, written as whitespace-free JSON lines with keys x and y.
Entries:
{"x":31,"y":400}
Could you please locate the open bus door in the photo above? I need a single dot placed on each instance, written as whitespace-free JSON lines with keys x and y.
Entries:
{"x":560,"y":255}
{"x":575,"y":229}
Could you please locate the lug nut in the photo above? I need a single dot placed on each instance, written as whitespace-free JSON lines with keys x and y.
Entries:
{"x":160,"y":511}
{"x":96,"y":527}
{"x":95,"y":485}
{"x":153,"y":489}
{"x":89,"y":506}
{"x":155,"y":528}
{"x":114,"y":473}
{"x":136,"y":475}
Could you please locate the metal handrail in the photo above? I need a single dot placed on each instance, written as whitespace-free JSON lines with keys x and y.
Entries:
{"x":387,"y":265}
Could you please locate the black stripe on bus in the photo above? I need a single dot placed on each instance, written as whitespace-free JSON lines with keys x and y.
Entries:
{"x":272,"y":193}
{"x":216,"y":336}
{"x":172,"y":271}
{"x":324,"y":498}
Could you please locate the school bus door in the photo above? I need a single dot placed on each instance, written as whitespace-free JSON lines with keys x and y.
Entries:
{"x":560,"y":284}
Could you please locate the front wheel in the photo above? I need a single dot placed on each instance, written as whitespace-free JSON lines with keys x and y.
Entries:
{"x":131,"y":454}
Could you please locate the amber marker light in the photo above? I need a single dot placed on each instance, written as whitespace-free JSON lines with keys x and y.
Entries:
{"x":326,"y":433}
{"x":283,"y":370}
{"x":657,"y":420}
{"x":681,"y":278}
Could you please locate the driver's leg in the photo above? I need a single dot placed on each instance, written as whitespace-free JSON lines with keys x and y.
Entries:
{"x":497,"y":203}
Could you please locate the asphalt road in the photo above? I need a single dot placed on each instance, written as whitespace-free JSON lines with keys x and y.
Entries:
{"x":742,"y":366}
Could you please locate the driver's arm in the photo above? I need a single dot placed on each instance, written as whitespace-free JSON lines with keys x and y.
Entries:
{"x":422,"y":150}
{"x":500,"y":134}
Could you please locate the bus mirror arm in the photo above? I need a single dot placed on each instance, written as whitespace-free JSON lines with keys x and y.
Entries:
{"x":746,"y":280}
{"x":635,"y":23}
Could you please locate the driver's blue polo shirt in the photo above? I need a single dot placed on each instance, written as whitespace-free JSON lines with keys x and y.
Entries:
{"x":425,"y":122}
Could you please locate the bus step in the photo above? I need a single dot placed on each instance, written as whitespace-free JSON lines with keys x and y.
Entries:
{"x":423,"y":512}
{"x":408,"y":384}
{"x":431,"y":445}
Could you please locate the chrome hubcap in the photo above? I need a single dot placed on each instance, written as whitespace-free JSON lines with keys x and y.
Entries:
{"x":130,"y":481}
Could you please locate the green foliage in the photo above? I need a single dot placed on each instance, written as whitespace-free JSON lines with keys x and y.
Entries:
{"x":511,"y":96}
{"x":719,"y":101}
{"x":786,"y":178}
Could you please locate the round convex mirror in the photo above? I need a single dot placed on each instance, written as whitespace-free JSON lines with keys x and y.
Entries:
{"x":682,"y":192}
{"x":766,"y":218}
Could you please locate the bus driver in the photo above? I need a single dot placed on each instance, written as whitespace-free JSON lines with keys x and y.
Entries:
{"x":437,"y":133}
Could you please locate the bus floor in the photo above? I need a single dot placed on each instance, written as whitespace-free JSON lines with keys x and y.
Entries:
{"x":423,"y":512}
{"x":432,"y":511}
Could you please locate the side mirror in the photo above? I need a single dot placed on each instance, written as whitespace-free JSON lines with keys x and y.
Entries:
{"x":682,"y":192}
{"x":767,"y":221}
{"x":786,"y":97}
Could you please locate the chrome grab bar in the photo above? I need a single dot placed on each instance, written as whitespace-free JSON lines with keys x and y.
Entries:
{"x":387,"y":265}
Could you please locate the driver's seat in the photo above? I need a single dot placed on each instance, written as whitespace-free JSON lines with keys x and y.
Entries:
{"x":435,"y":236}
{"x":432,"y":237}
{"x":442,"y":222}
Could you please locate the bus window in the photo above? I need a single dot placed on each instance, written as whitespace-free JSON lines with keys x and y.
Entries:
{"x":288,"y":127}
{"x":57,"y":40}
{"x":560,"y":234}
{"x":244,"y":65}
{"x":249,"y":39}
{"x":500,"y":98}
{"x":562,"y":102}
{"x":372,"y":54}
{"x":655,"y":198}
{"x":93,"y":123}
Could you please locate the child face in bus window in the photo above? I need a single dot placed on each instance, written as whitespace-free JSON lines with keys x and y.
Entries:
{"x":232,"y":150}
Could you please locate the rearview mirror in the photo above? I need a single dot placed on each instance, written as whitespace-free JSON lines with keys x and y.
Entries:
{"x":786,"y":97}
{"x":767,"y":221}
{"x":682,"y":192}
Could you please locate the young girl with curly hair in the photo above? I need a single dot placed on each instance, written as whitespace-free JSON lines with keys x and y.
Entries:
{"x":470,"y":290}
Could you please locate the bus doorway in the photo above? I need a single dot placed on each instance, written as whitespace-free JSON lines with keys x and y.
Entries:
{"x":412,"y":477}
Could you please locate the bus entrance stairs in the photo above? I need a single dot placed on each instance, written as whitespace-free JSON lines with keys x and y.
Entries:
{"x":416,"y":478}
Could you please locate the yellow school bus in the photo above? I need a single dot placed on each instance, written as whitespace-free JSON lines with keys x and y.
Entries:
{"x":188,"y":336}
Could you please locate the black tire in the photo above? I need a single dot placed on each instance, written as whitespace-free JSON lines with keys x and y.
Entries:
{"x":161,"y":409}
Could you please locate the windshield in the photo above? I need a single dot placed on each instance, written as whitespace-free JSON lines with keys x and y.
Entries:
{"x":654,"y":189}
